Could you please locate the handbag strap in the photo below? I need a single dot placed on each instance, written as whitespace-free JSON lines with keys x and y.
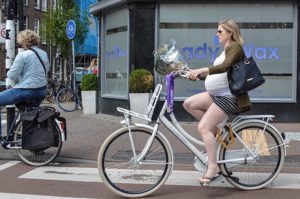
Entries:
{"x":40,"y":60}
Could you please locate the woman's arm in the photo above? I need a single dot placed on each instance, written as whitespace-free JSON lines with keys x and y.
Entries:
{"x":16,"y":69}
{"x":233,"y":53}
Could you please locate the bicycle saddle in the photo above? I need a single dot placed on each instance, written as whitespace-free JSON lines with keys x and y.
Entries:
{"x":26,"y":104}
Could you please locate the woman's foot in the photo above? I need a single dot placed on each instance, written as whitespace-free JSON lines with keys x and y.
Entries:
{"x":211,"y":175}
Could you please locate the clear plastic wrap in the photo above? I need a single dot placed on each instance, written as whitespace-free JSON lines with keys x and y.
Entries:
{"x":169,"y":58}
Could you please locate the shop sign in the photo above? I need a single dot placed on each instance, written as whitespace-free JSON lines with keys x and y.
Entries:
{"x":205,"y":52}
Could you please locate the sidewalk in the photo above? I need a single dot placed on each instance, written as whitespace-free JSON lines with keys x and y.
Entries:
{"x":87,"y":132}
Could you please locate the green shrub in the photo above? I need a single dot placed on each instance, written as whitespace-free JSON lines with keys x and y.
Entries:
{"x":89,"y":82}
{"x":141,"y":81}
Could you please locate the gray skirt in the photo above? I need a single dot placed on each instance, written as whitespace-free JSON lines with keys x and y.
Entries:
{"x":227,"y":103}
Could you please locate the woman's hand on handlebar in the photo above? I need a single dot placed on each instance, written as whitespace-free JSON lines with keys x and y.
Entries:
{"x":197,"y":73}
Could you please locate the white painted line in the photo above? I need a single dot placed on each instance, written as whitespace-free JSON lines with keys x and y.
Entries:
{"x":178,"y":177}
{"x":28,"y":196}
{"x":63,"y":173}
{"x":8,"y":164}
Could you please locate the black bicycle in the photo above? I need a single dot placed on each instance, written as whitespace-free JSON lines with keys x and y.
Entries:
{"x":13,"y":140}
{"x":69,"y":98}
{"x":53,"y":88}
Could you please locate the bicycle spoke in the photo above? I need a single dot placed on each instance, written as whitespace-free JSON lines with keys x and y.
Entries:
{"x":260,"y":156}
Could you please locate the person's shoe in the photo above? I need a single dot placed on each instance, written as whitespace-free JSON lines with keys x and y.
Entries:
{"x":208,"y":180}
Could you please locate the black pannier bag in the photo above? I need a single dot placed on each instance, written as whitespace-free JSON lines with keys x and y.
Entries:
{"x":39,"y":130}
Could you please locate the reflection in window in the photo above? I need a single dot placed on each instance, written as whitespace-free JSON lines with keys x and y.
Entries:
{"x":36,"y":25}
{"x":37,"y":4}
{"x":25,"y":22}
{"x":44,"y":5}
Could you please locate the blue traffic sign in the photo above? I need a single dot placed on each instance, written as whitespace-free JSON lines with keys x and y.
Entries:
{"x":71,"y":29}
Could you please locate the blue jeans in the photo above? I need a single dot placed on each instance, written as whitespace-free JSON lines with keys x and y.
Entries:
{"x":17,"y":95}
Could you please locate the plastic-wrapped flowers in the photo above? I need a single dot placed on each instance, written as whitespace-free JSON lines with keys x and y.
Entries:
{"x":169,"y":58}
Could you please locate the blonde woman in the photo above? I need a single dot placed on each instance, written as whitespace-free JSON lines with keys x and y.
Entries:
{"x":28,"y":72}
{"x":93,"y":68}
{"x":213,"y":106}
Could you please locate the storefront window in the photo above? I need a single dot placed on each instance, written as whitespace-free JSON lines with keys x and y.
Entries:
{"x":115,"y":55}
{"x":269,"y":31}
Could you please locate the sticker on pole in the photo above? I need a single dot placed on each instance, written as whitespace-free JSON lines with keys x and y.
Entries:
{"x":71,"y":29}
{"x":2,"y":33}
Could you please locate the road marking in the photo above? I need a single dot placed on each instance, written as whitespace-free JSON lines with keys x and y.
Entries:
{"x":292,"y":136}
{"x":28,"y":196}
{"x":177,"y":177}
{"x":8,"y":164}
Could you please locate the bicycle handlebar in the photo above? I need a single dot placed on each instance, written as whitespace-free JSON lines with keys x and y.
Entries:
{"x":182,"y":73}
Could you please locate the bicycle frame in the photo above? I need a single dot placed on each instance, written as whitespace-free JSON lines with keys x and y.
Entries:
{"x":9,"y":138}
{"x":189,"y":141}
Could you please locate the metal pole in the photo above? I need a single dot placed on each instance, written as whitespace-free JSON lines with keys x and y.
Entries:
{"x":73,"y":68}
{"x":10,"y":53}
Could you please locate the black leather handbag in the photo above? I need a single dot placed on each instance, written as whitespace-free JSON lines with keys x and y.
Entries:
{"x":244,"y":76}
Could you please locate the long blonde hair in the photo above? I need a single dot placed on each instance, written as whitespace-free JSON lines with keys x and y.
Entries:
{"x":230,"y":26}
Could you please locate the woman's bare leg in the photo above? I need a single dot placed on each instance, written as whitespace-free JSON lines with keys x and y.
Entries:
{"x":207,"y":125}
{"x":197,"y":104}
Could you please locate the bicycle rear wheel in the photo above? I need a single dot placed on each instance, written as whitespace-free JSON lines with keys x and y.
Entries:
{"x":119,"y":169}
{"x":67,"y":100}
{"x":35,"y":158}
{"x":269,"y":153}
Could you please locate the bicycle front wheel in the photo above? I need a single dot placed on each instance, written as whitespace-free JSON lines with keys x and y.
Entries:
{"x":120,"y":170}
{"x":35,"y":158}
{"x":263,"y":148}
{"x":67,"y":100}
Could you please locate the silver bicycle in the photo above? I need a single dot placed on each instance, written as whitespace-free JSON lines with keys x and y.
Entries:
{"x":136,"y":160}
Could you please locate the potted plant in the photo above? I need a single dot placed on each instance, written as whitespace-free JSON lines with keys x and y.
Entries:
{"x":141,"y":82}
{"x":89,"y":85}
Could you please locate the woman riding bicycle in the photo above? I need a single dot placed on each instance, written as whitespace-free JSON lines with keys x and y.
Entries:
{"x":212,"y":107}
{"x":28,"y":72}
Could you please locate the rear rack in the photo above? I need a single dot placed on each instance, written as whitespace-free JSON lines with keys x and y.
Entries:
{"x":266,"y":118}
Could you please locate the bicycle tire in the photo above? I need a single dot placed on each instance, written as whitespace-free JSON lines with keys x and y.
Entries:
{"x":260,"y":172}
{"x":35,"y":158}
{"x":127,"y":178}
{"x":69,"y":102}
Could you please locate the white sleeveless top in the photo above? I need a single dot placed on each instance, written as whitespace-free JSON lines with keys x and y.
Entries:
{"x":217,"y":84}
